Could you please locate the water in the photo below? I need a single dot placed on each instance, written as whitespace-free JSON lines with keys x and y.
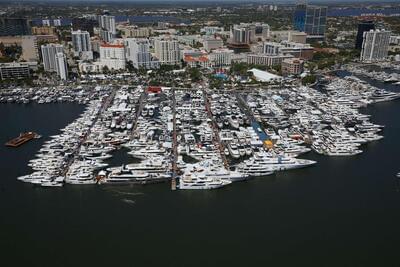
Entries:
{"x":341,"y":212}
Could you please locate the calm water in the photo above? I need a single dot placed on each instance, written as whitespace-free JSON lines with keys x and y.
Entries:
{"x":341,"y":212}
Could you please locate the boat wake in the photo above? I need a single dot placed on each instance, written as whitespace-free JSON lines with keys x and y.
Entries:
{"x":128,"y":201}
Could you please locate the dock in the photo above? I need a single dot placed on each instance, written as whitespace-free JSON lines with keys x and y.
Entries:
{"x":22,"y":139}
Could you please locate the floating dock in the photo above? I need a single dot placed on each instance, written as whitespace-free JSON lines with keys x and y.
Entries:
{"x":22,"y":139}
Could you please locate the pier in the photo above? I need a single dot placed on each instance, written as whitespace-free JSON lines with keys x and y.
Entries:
{"x":174,"y":144}
{"x":217,"y":141}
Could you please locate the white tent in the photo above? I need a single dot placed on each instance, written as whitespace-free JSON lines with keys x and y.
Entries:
{"x":264,"y":76}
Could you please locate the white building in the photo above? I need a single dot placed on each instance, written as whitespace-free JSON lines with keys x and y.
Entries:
{"x":81,"y":41}
{"x":107,"y":22}
{"x":106,"y":36}
{"x":375,"y":45}
{"x":167,"y":51}
{"x":221,"y":58}
{"x":267,"y":60}
{"x":212,"y":43}
{"x":61,"y":66}
{"x":209,"y":30}
{"x":112,"y":56}
{"x":138,"y":51}
{"x":46,"y":22}
{"x":242,"y":34}
{"x":49,"y":52}
{"x":57,"y":22}
{"x":264,"y":76}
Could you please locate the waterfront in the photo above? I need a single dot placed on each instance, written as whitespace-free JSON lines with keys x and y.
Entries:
{"x":338,"y":212}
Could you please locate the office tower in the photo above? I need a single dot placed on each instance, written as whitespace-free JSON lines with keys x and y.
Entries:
{"x":375,"y":45}
{"x":364,"y":26}
{"x":61,"y":66}
{"x":14,"y":26}
{"x":138,"y":51}
{"x":107,"y":22}
{"x":81,"y":41}
{"x":310,"y":19}
{"x":49,"y":53}
{"x":84,"y":24}
{"x":167,"y":51}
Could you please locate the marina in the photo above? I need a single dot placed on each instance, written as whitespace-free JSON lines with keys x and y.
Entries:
{"x":344,"y":187}
{"x":202,"y":138}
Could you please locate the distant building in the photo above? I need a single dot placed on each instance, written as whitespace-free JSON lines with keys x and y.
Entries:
{"x":212,"y":43}
{"x":14,"y":71}
{"x":28,"y":44}
{"x":210,"y":30}
{"x":242,"y":34}
{"x":375,"y":45}
{"x":292,"y":66}
{"x":81,"y":41}
{"x":14,"y":26}
{"x":310,"y":19}
{"x":138,"y":51}
{"x":167,"y":51}
{"x":112,"y":56}
{"x":61,"y":66}
{"x":221,"y":57}
{"x":57,"y":22}
{"x":364,"y":26}
{"x":106,"y":36}
{"x":107,"y":22}
{"x":303,"y":51}
{"x":46,"y":23}
{"x":136,"y":32}
{"x":43,"y":30}
{"x":49,"y":53}
{"x":395,"y":40}
{"x":84,"y":24}
{"x":267,"y":60}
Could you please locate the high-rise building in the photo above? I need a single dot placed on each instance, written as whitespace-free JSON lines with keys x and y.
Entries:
{"x":84,"y":24}
{"x":14,"y":26}
{"x":112,"y":56}
{"x":81,"y":41}
{"x":242,"y":34}
{"x":138,"y":51}
{"x":364,"y":26}
{"x":375,"y":45}
{"x":61,"y":66}
{"x":310,"y":19}
{"x":107,"y":22}
{"x":167,"y":51}
{"x":106,"y":36}
{"x":49,"y":53}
